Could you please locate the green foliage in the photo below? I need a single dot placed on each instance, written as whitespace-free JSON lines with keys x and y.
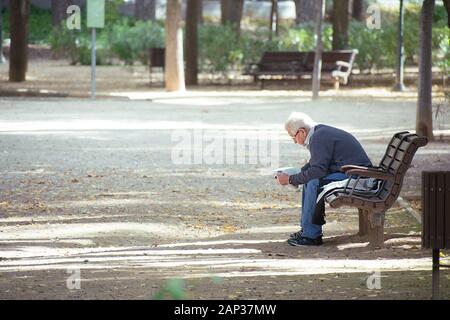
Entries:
{"x":378,"y":48}
{"x":64,"y":43}
{"x":76,"y":46}
{"x":441,"y":55}
{"x":173,"y":288}
{"x":302,"y":38}
{"x":132,"y":42}
{"x":218,"y":47}
{"x":368,"y":42}
{"x":40,"y":24}
{"x":253,"y":44}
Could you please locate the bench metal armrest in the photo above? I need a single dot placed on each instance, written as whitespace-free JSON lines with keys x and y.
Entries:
{"x":343,"y":64}
{"x":370,"y":174}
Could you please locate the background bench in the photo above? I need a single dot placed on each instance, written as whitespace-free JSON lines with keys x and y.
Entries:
{"x":281,"y":65}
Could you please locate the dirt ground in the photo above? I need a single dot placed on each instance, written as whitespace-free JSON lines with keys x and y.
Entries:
{"x":89,"y":191}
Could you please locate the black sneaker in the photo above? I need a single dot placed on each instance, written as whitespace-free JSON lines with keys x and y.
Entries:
{"x":296,"y":235}
{"x":304,"y":241}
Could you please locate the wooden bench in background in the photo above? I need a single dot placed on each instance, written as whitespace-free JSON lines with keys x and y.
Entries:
{"x":391,"y":170}
{"x":281,"y":65}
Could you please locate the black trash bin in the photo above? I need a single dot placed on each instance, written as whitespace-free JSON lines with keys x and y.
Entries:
{"x":436,"y":218}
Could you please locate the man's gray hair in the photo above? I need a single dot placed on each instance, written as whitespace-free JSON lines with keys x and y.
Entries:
{"x":298,"y":120}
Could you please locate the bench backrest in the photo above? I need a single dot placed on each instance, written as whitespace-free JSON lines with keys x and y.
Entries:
{"x":396,"y":161}
{"x":282,"y":60}
{"x":304,"y":61}
{"x":329,"y":59}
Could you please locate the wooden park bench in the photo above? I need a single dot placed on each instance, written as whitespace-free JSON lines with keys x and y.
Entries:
{"x":281,"y":65}
{"x":391,"y":171}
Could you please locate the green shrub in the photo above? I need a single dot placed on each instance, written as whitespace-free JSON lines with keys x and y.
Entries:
{"x":218,"y":48}
{"x":40,"y":24}
{"x":76,"y":46}
{"x":131,"y":43}
{"x":253,"y":44}
{"x":64,"y":43}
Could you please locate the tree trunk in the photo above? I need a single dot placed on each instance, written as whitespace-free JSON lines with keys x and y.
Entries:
{"x":59,"y":8}
{"x":306,"y":10}
{"x":145,"y":10}
{"x":447,"y":7}
{"x":193,"y":7}
{"x":318,"y":54}
{"x":174,"y":47}
{"x":18,"y":56}
{"x":424,"y":121}
{"x":274,"y":19}
{"x":341,"y":15}
{"x":231,"y":12}
{"x":359,"y":12}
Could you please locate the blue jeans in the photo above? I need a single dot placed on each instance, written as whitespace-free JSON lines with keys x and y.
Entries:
{"x":309,"y":197}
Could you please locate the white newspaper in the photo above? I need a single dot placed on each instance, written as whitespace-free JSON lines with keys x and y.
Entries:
{"x":289,"y":171}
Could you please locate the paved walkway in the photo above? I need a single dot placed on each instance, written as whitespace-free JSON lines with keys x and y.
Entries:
{"x":94,"y":186}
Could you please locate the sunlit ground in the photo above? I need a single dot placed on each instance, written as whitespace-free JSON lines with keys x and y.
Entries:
{"x":93,"y":186}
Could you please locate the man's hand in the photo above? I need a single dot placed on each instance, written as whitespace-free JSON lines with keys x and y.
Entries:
{"x":283,"y":178}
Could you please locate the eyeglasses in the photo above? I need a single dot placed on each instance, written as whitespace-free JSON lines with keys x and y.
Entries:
{"x":293,"y":137}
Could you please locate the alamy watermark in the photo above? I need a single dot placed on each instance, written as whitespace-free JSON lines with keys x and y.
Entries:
{"x":73,"y":282}
{"x":226,"y":147}
{"x":373,"y":20}
{"x":373,"y":282}
{"x":73,"y":22}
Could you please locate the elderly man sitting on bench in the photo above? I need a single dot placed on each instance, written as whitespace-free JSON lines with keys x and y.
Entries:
{"x":330,"y":149}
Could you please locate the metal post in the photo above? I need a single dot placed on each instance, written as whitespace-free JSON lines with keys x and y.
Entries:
{"x":318,"y":54}
{"x":93,"y":64}
{"x":435,"y":274}
{"x":2,"y":58}
{"x":399,"y":85}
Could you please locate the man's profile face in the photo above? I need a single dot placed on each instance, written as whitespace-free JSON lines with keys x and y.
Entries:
{"x":299,"y":137}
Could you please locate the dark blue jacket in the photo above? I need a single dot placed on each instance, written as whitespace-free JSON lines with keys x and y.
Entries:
{"x":330,"y":148}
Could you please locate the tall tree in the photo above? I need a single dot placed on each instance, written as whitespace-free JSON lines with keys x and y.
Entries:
{"x":341,"y":16}
{"x":174,"y":47}
{"x":145,"y":10}
{"x":59,"y":8}
{"x":192,"y":17}
{"x":358,"y":11}
{"x":424,"y":121}
{"x":231,"y":12}
{"x":306,"y":10}
{"x":18,"y":57}
{"x":274,"y":18}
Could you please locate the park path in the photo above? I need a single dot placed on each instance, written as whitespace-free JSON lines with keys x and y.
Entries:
{"x":93,"y":185}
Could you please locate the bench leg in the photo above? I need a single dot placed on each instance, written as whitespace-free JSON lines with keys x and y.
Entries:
{"x":376,"y":229}
{"x":336,"y":83}
{"x":363,"y":222}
